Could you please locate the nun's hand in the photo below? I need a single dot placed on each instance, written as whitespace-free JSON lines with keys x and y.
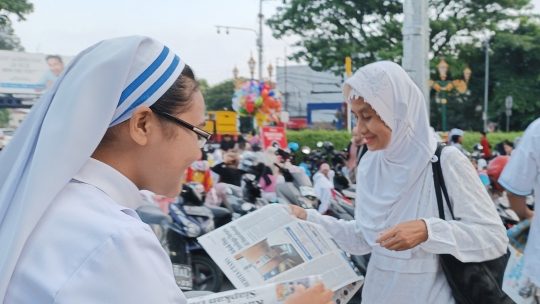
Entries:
{"x":404,"y":236}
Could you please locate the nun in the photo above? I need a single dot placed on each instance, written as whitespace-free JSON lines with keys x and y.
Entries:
{"x":125,"y":115}
{"x":396,"y":215}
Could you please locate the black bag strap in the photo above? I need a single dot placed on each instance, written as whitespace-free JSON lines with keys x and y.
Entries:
{"x":439,"y":183}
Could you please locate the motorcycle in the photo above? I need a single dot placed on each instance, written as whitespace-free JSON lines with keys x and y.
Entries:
{"x":196,"y":219}
{"x":170,"y":236}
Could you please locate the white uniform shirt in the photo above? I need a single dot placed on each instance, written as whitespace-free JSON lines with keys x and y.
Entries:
{"x":521,"y":176}
{"x":91,"y":247}
{"x":478,"y":236}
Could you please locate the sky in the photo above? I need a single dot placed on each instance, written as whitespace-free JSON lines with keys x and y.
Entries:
{"x":66,"y":27}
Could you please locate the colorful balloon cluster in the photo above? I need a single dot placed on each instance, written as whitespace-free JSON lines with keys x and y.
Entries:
{"x":254,"y":97}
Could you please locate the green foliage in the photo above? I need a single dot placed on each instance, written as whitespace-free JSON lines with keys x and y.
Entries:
{"x":219,"y":96}
{"x":4,"y":118}
{"x":471,"y":138}
{"x":514,"y":70}
{"x":370,"y":30}
{"x":341,"y":139}
{"x":20,"y":8}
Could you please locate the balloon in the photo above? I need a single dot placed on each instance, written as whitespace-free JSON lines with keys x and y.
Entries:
{"x":279,"y":102}
{"x":249,"y":98}
{"x":242,"y":100}
{"x":250,"y":106}
{"x":242,"y":111}
{"x":266,"y":87}
{"x":264,"y":93}
{"x":258,"y":102}
{"x":271,"y":93}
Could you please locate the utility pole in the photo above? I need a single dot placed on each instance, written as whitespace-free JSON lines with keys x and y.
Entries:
{"x":416,"y":44}
{"x":485,"y":115}
{"x":261,"y":17}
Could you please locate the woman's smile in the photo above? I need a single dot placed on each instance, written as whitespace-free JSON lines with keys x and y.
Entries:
{"x":369,"y":139}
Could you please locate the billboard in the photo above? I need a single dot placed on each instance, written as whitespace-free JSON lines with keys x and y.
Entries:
{"x":27,"y":73}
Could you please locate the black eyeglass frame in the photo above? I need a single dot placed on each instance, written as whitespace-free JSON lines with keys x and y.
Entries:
{"x":205,"y":135}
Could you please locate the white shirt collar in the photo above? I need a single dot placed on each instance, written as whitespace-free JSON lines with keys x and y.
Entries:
{"x":112,"y":182}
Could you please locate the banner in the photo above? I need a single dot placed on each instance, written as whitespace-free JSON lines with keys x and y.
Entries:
{"x":26,"y":73}
{"x":272,"y":135}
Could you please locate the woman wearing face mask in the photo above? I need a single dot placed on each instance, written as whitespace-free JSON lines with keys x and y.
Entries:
{"x":124,"y":116}
{"x":396,"y":214}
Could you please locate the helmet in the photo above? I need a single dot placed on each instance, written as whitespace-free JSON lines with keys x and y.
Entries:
{"x":293,"y":146}
{"x":328,"y":146}
{"x":495,"y":168}
{"x":477,"y":147}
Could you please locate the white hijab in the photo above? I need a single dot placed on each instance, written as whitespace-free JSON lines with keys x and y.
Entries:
{"x":101,"y":87}
{"x":389,"y":181}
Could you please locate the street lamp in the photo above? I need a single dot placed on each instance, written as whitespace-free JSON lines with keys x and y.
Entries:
{"x":270,"y":70}
{"x":443,"y":86}
{"x":235,"y":72}
{"x":251,"y":63}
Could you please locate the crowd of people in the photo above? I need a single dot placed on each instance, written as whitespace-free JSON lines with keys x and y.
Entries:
{"x":130,"y":116}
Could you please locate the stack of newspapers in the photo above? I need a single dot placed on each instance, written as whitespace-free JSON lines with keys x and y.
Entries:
{"x":267,"y":254}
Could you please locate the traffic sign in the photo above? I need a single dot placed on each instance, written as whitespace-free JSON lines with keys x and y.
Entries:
{"x":509,"y":102}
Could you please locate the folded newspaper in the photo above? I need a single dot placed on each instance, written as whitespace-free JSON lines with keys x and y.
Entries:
{"x":270,"y":246}
{"x":273,"y":293}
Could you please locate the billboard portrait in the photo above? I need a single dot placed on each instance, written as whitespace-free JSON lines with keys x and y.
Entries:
{"x":27,"y":73}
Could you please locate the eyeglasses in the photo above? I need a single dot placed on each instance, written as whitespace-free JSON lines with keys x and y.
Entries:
{"x":202,"y":136}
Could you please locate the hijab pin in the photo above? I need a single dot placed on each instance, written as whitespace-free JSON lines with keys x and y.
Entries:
{"x":434,"y":159}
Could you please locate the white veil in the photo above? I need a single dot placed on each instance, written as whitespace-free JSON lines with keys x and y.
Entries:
{"x":389,"y":182}
{"x":99,"y":88}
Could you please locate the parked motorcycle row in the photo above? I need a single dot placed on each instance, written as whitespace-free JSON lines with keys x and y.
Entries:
{"x":186,"y":218}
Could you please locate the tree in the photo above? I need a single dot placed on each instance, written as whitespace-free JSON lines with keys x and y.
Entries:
{"x":370,"y":30}
{"x":219,"y":96}
{"x":21,"y":8}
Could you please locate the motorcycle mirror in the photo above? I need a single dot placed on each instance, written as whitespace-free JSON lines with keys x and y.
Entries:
{"x":247,"y":206}
{"x":306,"y":150}
{"x":320,"y":144}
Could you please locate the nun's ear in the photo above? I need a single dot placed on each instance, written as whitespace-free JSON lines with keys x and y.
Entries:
{"x":141,"y":123}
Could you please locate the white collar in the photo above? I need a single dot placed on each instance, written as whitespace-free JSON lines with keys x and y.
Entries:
{"x":111,"y":181}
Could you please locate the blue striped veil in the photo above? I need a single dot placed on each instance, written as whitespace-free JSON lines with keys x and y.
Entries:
{"x":101,"y":87}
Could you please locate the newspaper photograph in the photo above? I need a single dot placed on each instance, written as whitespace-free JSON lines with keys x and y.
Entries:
{"x":270,"y":293}
{"x":269,"y":246}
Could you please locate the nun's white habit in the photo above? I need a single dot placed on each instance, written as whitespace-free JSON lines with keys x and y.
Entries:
{"x":395,"y":185}
{"x":67,"y":226}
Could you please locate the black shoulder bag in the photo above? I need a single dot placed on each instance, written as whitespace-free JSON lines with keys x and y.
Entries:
{"x":471,"y":283}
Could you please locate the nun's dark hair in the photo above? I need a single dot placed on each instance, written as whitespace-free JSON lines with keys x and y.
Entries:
{"x":177,"y":98}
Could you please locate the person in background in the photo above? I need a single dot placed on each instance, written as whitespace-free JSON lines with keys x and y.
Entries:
{"x":486,"y":147}
{"x":228,"y":170}
{"x":254,"y":138}
{"x":356,"y":150}
{"x":323,"y":185}
{"x":456,"y":139}
{"x":227,"y":143}
{"x":56,"y":66}
{"x":199,"y":171}
{"x":508,"y":147}
{"x":241,"y":145}
{"x":521,"y":178}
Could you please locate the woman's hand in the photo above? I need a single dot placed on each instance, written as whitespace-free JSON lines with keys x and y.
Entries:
{"x":298,"y":212}
{"x":314,"y":295}
{"x":404,"y":236}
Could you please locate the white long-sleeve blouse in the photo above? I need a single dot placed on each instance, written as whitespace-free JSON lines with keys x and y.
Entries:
{"x":477,"y":236}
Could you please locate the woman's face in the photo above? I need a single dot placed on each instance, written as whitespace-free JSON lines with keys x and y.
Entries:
{"x":369,"y":125}
{"x":176,"y":149}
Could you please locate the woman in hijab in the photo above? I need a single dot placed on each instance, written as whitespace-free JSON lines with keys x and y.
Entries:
{"x":323,"y":183}
{"x":396,"y":216}
{"x":125,"y":115}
